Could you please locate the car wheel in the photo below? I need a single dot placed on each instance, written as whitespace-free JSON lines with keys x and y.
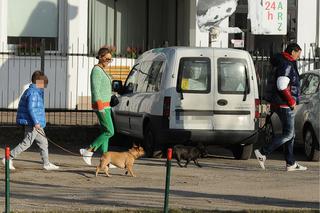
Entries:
{"x":310,"y":143}
{"x":242,"y":152}
{"x":148,"y":141}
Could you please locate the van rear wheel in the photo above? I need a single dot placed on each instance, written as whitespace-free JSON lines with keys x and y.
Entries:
{"x":148,"y":141}
{"x":242,"y":152}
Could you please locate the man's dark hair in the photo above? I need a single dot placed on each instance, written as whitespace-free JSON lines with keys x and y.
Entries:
{"x":292,"y":47}
{"x":37,"y":76}
{"x":102,"y":51}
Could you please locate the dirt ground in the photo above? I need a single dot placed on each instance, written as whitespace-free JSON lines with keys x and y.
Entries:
{"x":223,"y":183}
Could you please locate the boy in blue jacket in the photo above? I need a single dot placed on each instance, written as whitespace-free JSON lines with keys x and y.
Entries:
{"x":31,"y":115}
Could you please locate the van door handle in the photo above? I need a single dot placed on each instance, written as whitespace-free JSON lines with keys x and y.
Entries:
{"x":222,"y":102}
{"x":127,"y":103}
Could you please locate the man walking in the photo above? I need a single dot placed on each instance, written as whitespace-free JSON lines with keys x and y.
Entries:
{"x":285,"y":91}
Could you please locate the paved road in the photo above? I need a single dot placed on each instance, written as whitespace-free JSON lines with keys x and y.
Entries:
{"x":223,"y":183}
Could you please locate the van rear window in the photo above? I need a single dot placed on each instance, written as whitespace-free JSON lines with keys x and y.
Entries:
{"x":194,"y":75}
{"x":233,"y":76}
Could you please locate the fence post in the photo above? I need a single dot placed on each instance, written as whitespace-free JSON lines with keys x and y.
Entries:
{"x":7,"y":154}
{"x":166,"y":199}
{"x":42,"y":49}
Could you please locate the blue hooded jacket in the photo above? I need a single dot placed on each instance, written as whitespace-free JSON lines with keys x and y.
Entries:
{"x":31,"y":109}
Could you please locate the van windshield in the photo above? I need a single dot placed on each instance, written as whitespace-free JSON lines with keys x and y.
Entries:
{"x":194,"y":75}
{"x":232,"y":76}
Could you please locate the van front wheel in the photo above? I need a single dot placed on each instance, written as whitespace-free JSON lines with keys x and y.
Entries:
{"x":242,"y":152}
{"x":148,"y":141}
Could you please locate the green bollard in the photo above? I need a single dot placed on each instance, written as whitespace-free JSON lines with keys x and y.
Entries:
{"x":166,"y":198}
{"x":7,"y":154}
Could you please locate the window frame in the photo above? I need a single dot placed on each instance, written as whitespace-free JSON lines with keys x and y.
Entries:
{"x":244,"y":62}
{"x":180,"y":71}
{"x":62,"y":39}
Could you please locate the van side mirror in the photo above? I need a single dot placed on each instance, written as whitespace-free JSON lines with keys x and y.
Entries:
{"x":116,"y":86}
{"x":129,"y":88}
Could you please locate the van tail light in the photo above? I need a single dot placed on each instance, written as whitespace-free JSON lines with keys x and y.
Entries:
{"x":257,"y":106}
{"x":166,"y":106}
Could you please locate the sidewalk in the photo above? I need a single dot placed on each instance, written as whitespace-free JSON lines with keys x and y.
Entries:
{"x":222,"y":183}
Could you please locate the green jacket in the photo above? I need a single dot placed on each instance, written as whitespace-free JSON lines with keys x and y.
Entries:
{"x":101,"y":89}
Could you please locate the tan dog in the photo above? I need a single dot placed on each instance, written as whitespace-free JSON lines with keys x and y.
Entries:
{"x":123,"y":160}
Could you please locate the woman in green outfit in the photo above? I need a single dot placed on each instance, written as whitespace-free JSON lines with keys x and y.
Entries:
{"x":101,"y":92}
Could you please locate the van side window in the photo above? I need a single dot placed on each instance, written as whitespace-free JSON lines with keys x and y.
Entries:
{"x":194,"y":75}
{"x":131,"y":82}
{"x":233,"y":76}
{"x":149,"y":76}
{"x":154,"y":77}
{"x":142,"y":82}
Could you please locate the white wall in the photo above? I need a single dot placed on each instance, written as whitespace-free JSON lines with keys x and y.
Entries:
{"x":69,"y":77}
{"x":3,"y":24}
{"x":306,"y":29}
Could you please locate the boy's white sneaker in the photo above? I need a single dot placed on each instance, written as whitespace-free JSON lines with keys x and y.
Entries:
{"x":50,"y":166}
{"x":296,"y":167}
{"x":261,"y":158}
{"x":86,"y":156}
{"x":11,"y":167}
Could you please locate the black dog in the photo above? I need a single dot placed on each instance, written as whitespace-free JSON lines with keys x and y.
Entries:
{"x":188,"y":153}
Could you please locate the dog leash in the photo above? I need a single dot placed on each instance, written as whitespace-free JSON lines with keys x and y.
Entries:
{"x":57,"y":145}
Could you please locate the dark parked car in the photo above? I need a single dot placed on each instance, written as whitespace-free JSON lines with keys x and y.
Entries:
{"x":307,"y":116}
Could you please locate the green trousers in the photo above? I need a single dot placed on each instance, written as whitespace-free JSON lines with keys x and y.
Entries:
{"x":108,"y":131}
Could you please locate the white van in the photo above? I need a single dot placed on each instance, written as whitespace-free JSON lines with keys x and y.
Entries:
{"x":176,"y":95}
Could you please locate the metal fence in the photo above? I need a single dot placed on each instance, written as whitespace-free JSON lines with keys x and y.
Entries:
{"x":67,"y":96}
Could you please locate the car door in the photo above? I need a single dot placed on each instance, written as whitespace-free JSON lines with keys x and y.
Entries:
{"x":121,"y":111}
{"x":193,"y":104}
{"x":141,"y":102}
{"x":234,"y":104}
{"x":308,"y":102}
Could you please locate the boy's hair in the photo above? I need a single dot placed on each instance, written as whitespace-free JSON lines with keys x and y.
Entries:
{"x":36,"y":76}
{"x":292,"y":47}
{"x":102,"y":51}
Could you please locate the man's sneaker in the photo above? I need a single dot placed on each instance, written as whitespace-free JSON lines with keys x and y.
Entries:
{"x":86,"y":155}
{"x":296,"y":167}
{"x":11,"y":167}
{"x":111,"y":166}
{"x":50,"y":166}
{"x":261,"y":158}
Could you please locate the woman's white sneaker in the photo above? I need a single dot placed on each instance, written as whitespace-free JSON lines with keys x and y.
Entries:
{"x":86,"y":156}
{"x":296,"y":167}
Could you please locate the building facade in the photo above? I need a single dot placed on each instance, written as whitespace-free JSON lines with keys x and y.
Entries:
{"x":73,"y":31}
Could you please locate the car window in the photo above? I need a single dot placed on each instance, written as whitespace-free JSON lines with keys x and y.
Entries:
{"x":142,"y":81}
{"x":194,"y":75}
{"x":131,"y":82}
{"x":310,"y":85}
{"x":154,"y":77}
{"x":232,"y":76}
{"x":303,"y":78}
